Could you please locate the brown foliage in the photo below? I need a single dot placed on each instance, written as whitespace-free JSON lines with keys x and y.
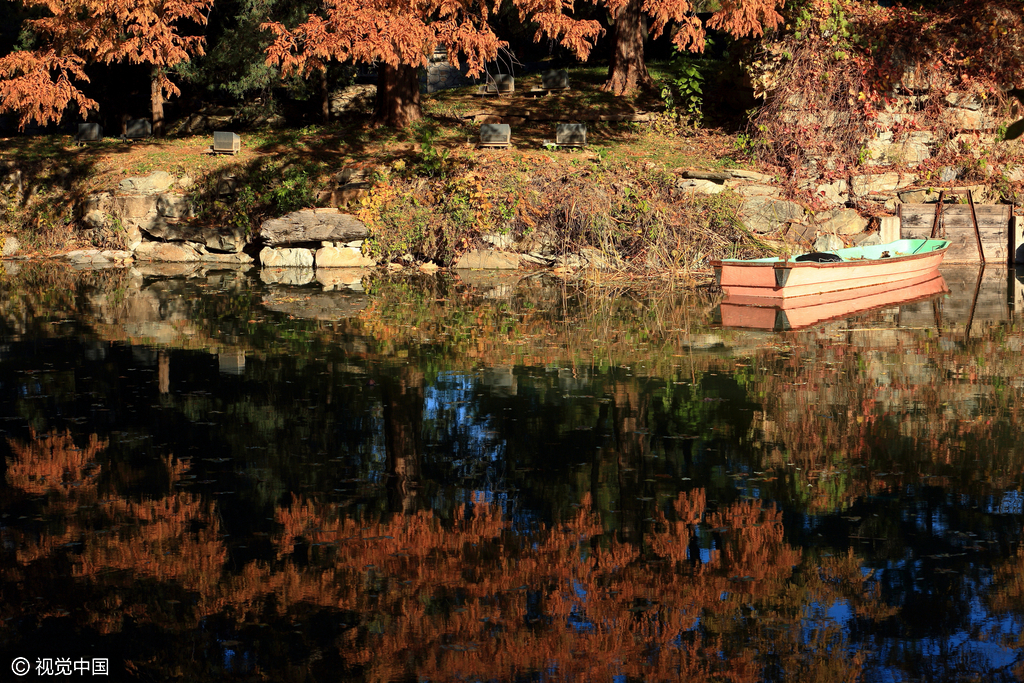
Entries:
{"x":39,"y":85}
{"x":403,"y":35}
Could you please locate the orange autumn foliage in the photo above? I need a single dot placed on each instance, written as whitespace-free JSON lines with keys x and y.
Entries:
{"x":39,"y":85}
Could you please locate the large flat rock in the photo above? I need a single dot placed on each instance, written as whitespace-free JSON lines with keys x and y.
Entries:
{"x":312,"y":225}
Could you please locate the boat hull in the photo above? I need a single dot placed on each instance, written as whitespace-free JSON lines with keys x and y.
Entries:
{"x":800,"y":312}
{"x":777,"y":279}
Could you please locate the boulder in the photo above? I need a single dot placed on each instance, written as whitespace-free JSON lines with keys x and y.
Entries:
{"x":157,"y":181}
{"x":167,"y":251}
{"x":236,"y":259}
{"x":868,"y":183}
{"x":828,"y":243}
{"x":342,"y":257}
{"x":500,"y":240}
{"x":312,"y":225}
{"x":488,"y":259}
{"x":700,"y":186}
{"x":919,"y":196}
{"x":743,"y":174}
{"x":766,"y":214}
{"x":718,"y":176}
{"x":844,"y":222}
{"x":600,"y":260}
{"x":173,"y":206}
{"x":837,"y":192}
{"x":92,"y":258}
{"x":757,"y":190}
{"x":286,"y":258}
{"x":9,"y":246}
{"x":867,"y":239}
{"x":968,"y":119}
{"x":227,"y":239}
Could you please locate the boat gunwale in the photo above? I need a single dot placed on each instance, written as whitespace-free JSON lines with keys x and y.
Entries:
{"x":746,"y":263}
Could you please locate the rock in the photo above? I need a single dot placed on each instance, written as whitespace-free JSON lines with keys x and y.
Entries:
{"x":828,"y":243}
{"x":502,"y":241}
{"x":157,"y":181}
{"x":537,"y":259}
{"x":342,"y":257}
{"x":335,"y":278}
{"x":963,"y":101}
{"x":173,"y":206}
{"x":766,"y":214}
{"x":920,"y":196}
{"x":95,"y":210}
{"x":166,"y":251}
{"x":719,"y":176}
{"x":911,"y":149}
{"x":186,"y":182}
{"x":227,"y":185}
{"x":312,"y":225}
{"x":488,"y":259}
{"x":844,"y":222}
{"x":867,"y":239}
{"x":227,"y":239}
{"x":966,"y":119}
{"x":286,"y":258}
{"x":236,"y":259}
{"x":868,"y":183}
{"x":837,"y":192}
{"x":700,"y":186}
{"x":429,"y":267}
{"x":354,"y":98}
{"x":570,"y":262}
{"x":286,"y":276}
{"x":744,"y":174}
{"x":9,"y":246}
{"x":599,"y":260}
{"x":800,"y":233}
{"x":948,"y":174}
{"x":98,"y":257}
{"x":757,"y":190}
{"x":978,"y":190}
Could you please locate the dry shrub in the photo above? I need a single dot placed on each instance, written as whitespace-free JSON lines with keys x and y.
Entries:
{"x":635,"y":216}
{"x":844,"y":71}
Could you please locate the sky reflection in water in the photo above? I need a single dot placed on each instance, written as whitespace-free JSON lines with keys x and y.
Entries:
{"x":505,"y":478}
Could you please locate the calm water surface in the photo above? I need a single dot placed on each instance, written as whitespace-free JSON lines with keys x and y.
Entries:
{"x":207,"y":476}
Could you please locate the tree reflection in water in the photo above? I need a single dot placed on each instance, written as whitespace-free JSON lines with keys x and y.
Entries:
{"x":446,"y":487}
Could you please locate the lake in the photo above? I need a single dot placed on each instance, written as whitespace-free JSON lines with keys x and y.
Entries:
{"x":223,"y":475}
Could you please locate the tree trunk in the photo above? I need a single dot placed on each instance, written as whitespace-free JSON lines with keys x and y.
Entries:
{"x":325,"y":99}
{"x":398,"y":96}
{"x":402,"y":399}
{"x":156,"y":93}
{"x":627,"y":71}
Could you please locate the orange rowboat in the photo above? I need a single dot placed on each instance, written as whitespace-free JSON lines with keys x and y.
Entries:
{"x":884,"y":266}
{"x":800,"y":312}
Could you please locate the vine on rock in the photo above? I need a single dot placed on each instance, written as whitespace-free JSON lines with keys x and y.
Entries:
{"x":843,"y":75}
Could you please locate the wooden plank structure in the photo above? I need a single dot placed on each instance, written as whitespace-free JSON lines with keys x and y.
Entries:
{"x":978,"y":233}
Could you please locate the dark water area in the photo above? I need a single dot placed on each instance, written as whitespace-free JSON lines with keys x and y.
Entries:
{"x":211,"y":476}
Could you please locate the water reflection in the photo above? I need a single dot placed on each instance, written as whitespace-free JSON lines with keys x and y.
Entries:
{"x":216,"y":476}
